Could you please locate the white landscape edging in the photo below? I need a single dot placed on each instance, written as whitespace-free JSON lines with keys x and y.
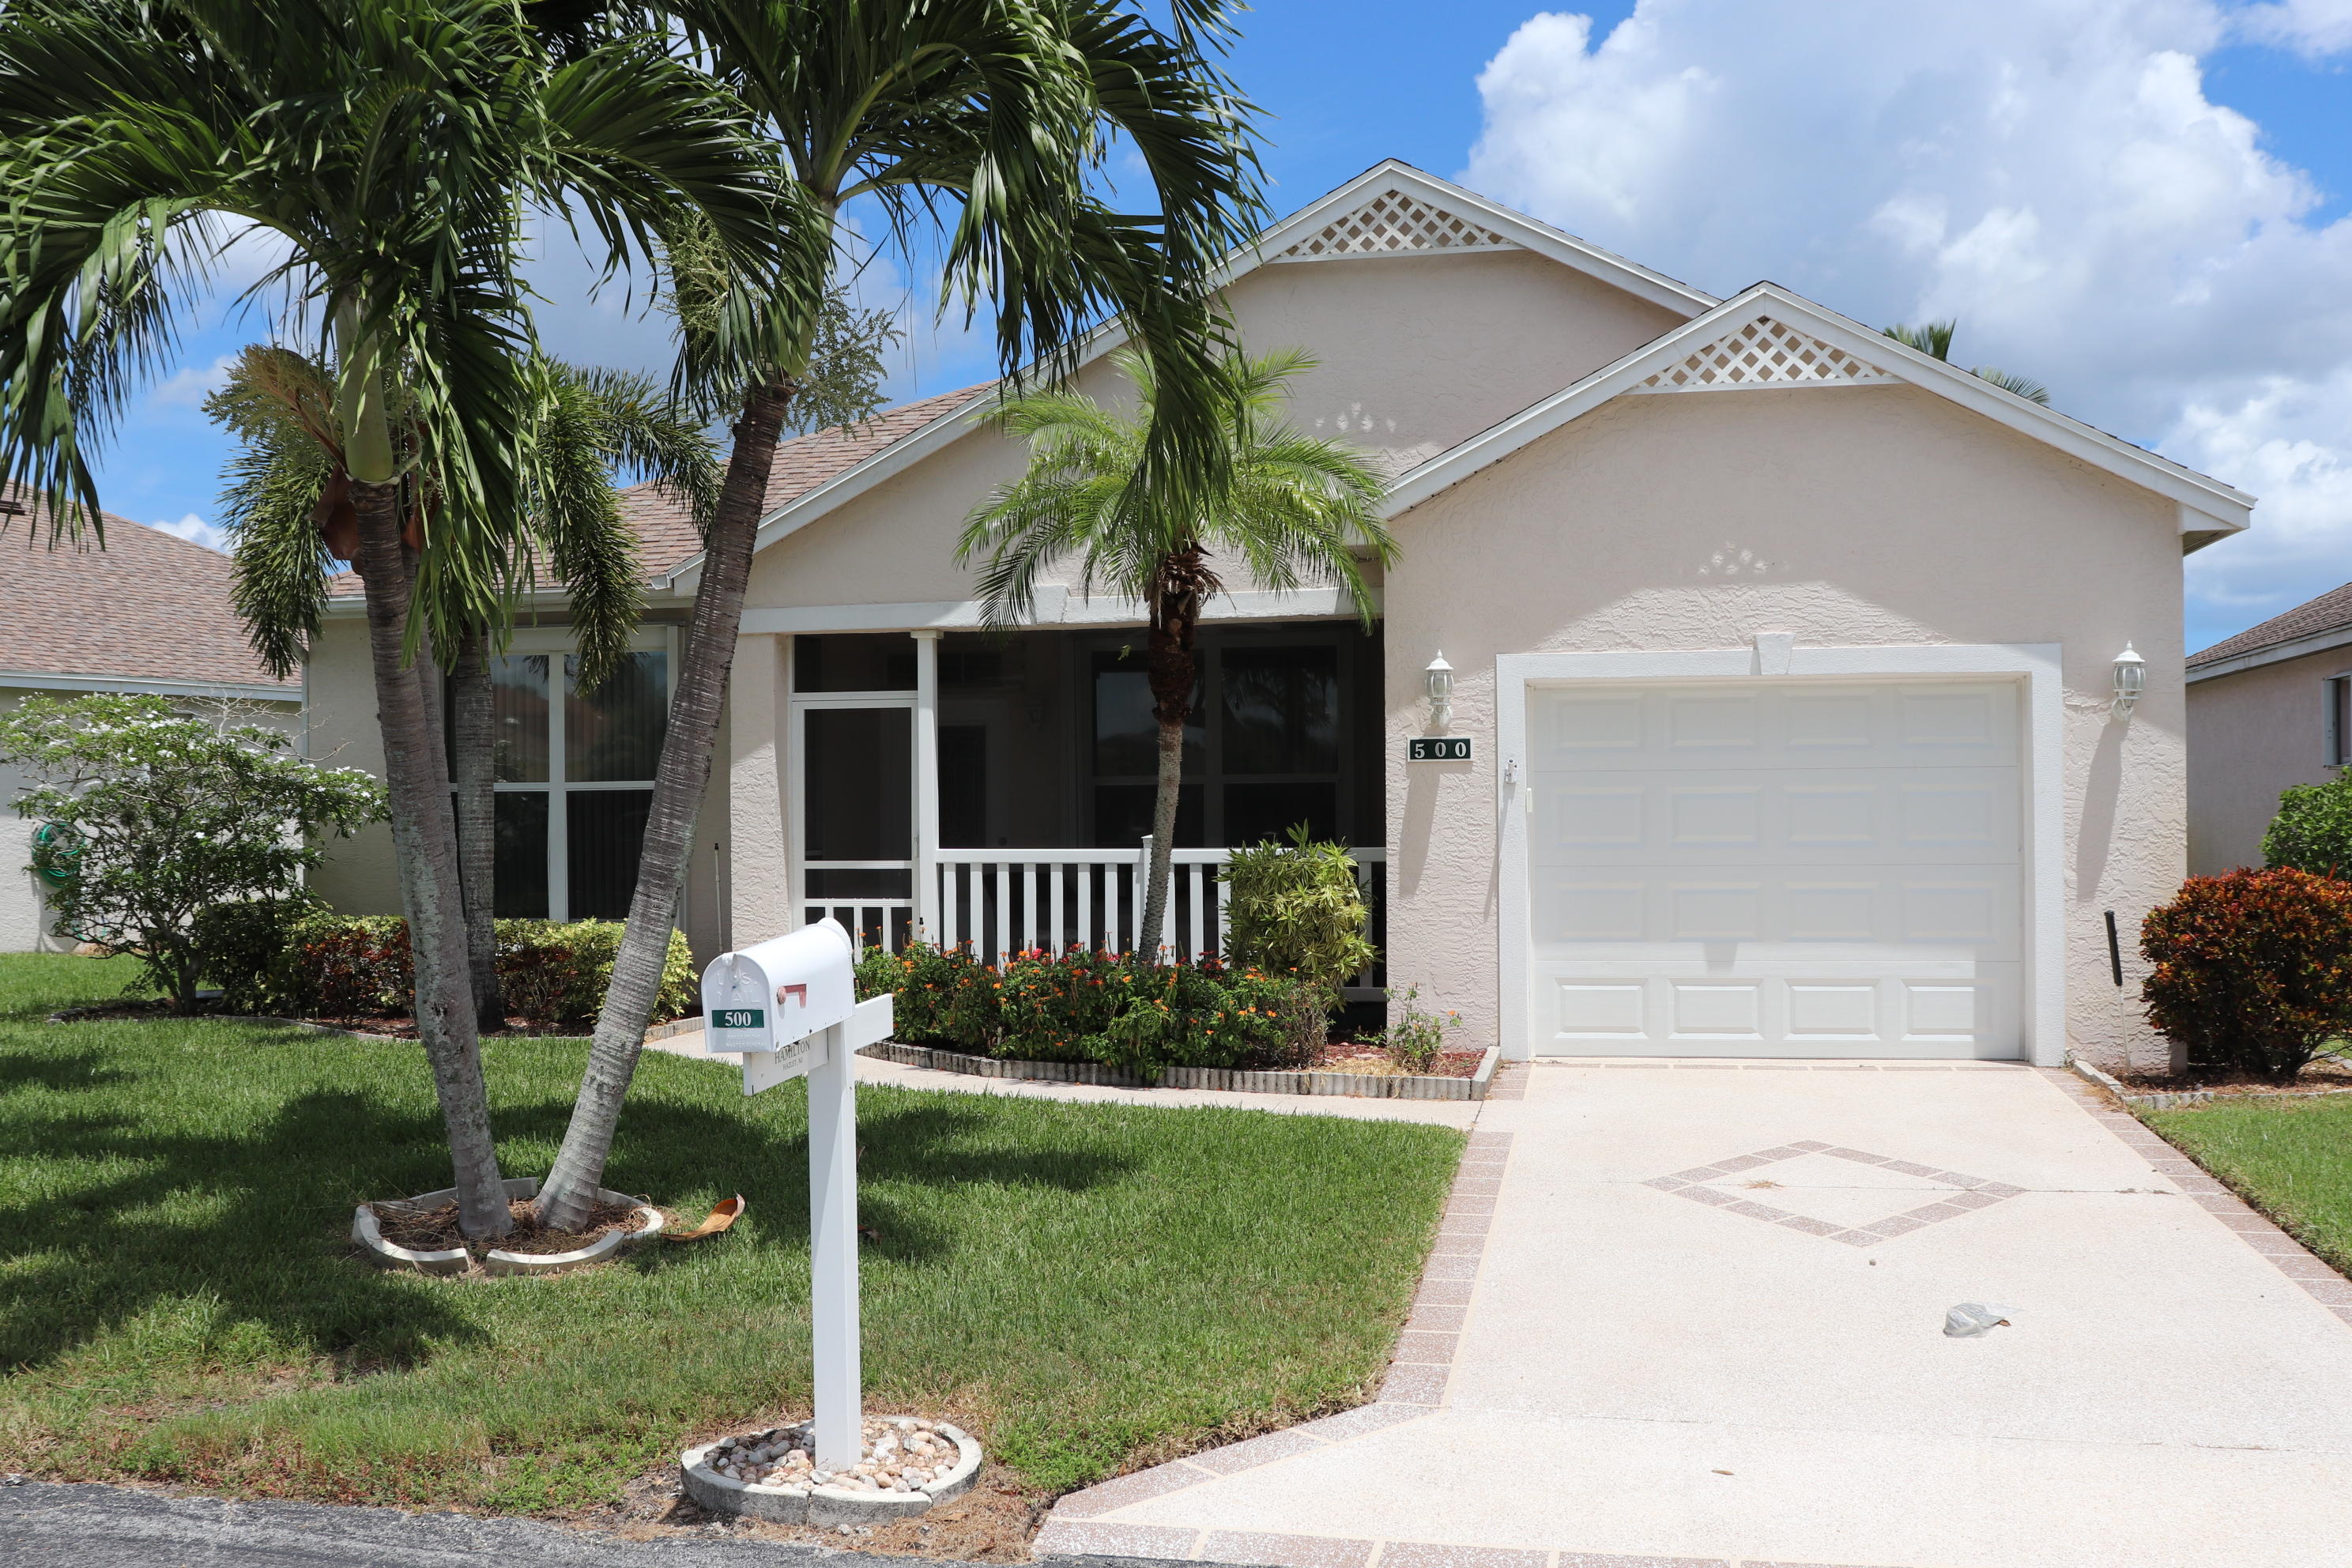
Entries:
{"x":368,"y":1232}
{"x":1370,"y":1086}
{"x":826,"y":1505}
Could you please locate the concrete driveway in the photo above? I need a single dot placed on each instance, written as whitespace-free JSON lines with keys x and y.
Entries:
{"x":1693,"y":1314}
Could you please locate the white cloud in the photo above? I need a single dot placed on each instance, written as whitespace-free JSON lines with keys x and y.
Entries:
{"x":196,"y":530}
{"x":2049,"y":171}
{"x":188,"y":386}
{"x":2310,"y":27}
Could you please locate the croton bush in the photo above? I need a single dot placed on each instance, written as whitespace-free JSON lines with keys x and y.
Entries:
{"x":1084,"y":1007}
{"x":290,"y":958}
{"x":2252,"y":970}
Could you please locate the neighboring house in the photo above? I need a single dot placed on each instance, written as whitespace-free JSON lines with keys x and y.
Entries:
{"x":2268,"y":709}
{"x":1783,"y":652}
{"x":148,"y":613}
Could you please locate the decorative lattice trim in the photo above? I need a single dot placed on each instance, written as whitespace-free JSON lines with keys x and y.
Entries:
{"x":1392,"y":224}
{"x":1765,"y":352}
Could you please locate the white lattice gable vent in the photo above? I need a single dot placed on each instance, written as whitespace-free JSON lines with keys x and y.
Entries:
{"x":1394,"y":224}
{"x":1765,"y":352}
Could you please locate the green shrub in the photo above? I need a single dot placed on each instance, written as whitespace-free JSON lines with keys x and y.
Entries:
{"x":2252,"y":971}
{"x":1295,"y":909}
{"x":303,"y":961}
{"x":2313,"y":830}
{"x":1082,"y":1006}
{"x":1413,"y":1039}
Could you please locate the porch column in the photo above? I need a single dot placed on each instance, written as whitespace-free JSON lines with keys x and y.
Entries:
{"x":759,"y":869}
{"x":927,"y":781}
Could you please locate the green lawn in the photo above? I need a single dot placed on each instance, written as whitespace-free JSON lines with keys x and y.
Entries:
{"x":1090,"y":1285}
{"x":2292,"y":1162}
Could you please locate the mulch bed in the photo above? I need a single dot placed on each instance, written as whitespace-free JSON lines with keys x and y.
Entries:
{"x":1374,"y":1062}
{"x":435,"y":1229}
{"x":2324,"y":1076}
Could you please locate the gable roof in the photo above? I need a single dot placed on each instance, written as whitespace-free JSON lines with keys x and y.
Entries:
{"x":1767,"y":336}
{"x":148,"y":612}
{"x":2312,"y":627}
{"x":1391,"y":209}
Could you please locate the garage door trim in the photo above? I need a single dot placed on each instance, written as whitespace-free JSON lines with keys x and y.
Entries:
{"x":2035,"y":665}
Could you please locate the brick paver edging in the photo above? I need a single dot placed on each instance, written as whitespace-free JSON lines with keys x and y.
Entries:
{"x":1414,"y":1387}
{"x":2288,"y":1256}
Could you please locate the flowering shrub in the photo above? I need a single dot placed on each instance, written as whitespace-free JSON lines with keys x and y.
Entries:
{"x":2252,"y":970}
{"x":1083,"y":1006}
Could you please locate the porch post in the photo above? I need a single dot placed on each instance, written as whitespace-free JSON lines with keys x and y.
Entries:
{"x":927,"y":781}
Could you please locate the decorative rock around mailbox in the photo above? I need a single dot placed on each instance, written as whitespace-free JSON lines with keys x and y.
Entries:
{"x":905,"y":1464}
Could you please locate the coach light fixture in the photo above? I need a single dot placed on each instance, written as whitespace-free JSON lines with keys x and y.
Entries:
{"x":1441,"y":693}
{"x":2131,"y":680}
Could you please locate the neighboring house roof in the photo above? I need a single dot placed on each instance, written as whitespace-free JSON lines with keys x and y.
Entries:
{"x":2311,"y":626}
{"x":665,"y":529}
{"x":1389,"y":196}
{"x":148,"y":612}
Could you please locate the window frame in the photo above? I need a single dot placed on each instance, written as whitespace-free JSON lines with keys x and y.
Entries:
{"x":559,"y":643}
{"x":2335,"y":693}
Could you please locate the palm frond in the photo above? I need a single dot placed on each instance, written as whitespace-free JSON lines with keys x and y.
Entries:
{"x":2024,"y":387}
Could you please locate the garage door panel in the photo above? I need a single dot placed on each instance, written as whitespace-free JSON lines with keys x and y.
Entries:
{"x":1777,"y":868}
{"x":1879,"y":914}
{"x":1793,"y":1010}
{"x":1735,"y":816}
{"x":1774,"y":725}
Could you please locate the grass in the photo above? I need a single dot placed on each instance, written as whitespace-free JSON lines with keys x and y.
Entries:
{"x":2291,"y":1160}
{"x":1092,"y":1286}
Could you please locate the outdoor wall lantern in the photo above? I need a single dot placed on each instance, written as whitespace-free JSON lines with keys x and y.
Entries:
{"x":2131,"y":680}
{"x":1441,"y":693}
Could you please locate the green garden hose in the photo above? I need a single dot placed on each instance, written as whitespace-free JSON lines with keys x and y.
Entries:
{"x":56,"y":853}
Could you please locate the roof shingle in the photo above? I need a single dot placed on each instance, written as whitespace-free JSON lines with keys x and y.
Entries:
{"x":2332,"y":611}
{"x":148,"y":607}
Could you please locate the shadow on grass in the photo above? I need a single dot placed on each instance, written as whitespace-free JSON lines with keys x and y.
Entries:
{"x":251,"y":1219}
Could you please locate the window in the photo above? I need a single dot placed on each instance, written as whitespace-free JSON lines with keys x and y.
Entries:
{"x":574,"y":783}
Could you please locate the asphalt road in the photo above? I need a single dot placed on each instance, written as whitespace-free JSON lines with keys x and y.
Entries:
{"x":44,"y":1526}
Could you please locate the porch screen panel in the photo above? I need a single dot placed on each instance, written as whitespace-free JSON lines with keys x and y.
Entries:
{"x":859,"y":797}
{"x":607,"y":828}
{"x":520,"y":863}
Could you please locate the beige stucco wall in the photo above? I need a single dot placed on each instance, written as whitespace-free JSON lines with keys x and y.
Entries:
{"x":2252,"y":734}
{"x":1846,"y":516}
{"x":1414,"y":354}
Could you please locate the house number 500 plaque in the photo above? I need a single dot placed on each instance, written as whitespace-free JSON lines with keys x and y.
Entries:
{"x":1438,"y":749}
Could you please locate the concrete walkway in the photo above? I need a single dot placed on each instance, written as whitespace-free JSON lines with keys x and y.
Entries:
{"x":1692,"y":1315}
{"x":1442,"y":1112}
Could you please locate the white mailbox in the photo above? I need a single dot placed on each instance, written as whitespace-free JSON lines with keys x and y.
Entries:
{"x":772,"y":996}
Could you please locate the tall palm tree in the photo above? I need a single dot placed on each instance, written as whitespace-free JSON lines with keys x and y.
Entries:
{"x":1295,"y":508}
{"x":992,"y":118}
{"x":390,"y":147}
{"x":291,"y":527}
{"x":1936,"y":338}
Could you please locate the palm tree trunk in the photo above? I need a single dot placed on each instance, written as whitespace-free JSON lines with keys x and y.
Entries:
{"x":473,"y":769}
{"x":679,"y":785}
{"x":425,"y":843}
{"x":1169,"y":665}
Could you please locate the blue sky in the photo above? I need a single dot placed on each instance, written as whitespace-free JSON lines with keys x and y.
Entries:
{"x":2143,"y":203}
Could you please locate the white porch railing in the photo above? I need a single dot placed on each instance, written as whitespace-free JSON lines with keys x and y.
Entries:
{"x":1004,"y":901}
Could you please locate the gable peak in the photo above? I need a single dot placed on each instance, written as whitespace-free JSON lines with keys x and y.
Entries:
{"x":1391,"y":223}
{"x":1762,"y":352}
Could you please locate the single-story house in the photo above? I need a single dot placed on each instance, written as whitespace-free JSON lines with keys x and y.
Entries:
{"x":1782,"y":720}
{"x":147,"y":613}
{"x":2268,"y":709}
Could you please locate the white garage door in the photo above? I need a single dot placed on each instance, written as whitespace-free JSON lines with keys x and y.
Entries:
{"x":1775,"y":868}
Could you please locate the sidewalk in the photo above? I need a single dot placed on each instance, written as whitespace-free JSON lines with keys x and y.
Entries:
{"x":1692,"y":1315}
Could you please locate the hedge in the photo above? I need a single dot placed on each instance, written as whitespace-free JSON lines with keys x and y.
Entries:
{"x":1082,"y":1006}
{"x":290,"y":958}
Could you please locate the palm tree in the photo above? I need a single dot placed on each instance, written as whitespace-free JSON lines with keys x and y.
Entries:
{"x":291,"y":532}
{"x":389,"y":146}
{"x":1936,"y":338}
{"x":992,"y":118}
{"x":1296,"y":508}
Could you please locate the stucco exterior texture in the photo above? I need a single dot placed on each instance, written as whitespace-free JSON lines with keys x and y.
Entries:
{"x":2257,"y":732}
{"x":1854,"y":516}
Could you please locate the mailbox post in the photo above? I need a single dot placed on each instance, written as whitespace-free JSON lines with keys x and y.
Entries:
{"x":790,"y":1007}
